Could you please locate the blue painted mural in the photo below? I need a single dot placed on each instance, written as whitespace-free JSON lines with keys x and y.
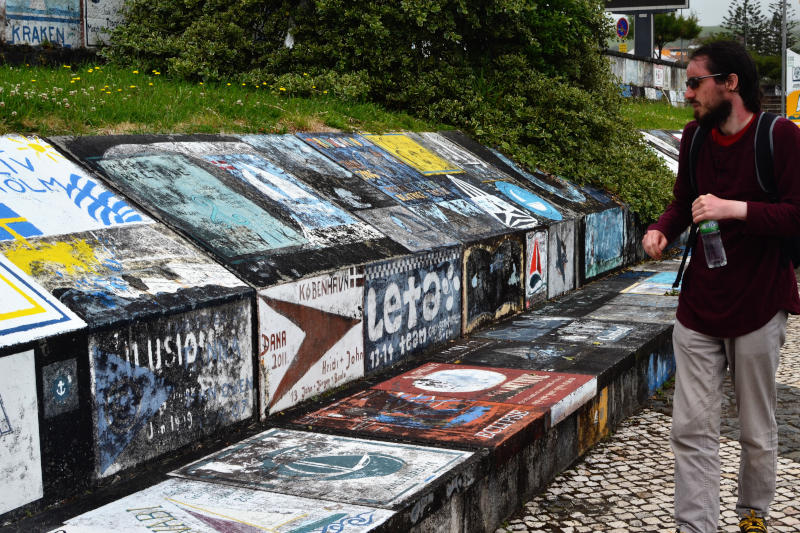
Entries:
{"x":567,"y":191}
{"x":199,"y":203}
{"x":55,"y":22}
{"x":604,"y":243}
{"x":660,"y":368}
{"x":410,"y":304}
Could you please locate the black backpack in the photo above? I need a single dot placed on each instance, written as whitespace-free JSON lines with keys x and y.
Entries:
{"x":765,"y":175}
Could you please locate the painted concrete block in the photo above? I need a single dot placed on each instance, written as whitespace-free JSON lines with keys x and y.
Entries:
{"x":526,"y":328}
{"x":660,"y":368}
{"x":99,"y":18}
{"x":161,"y":384}
{"x":429,"y":417}
{"x":621,"y":332}
{"x":20,"y":455}
{"x":604,"y":242}
{"x":657,"y":284}
{"x":562,"y":258}
{"x":27,"y":311}
{"x":350,"y":191}
{"x":603,"y":362}
{"x":432,"y":197}
{"x":104,"y":259}
{"x":560,"y":193}
{"x":431,"y":156}
{"x":56,"y":22}
{"x":311,"y":337}
{"x":630,"y":312}
{"x":411,"y":304}
{"x":493,"y":273}
{"x":259,"y":219}
{"x":60,"y":387}
{"x":554,"y":392}
{"x":536,"y":262}
{"x":341,"y":469}
{"x":193,"y":506}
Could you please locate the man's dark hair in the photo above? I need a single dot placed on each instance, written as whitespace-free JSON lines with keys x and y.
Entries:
{"x":730,"y":57}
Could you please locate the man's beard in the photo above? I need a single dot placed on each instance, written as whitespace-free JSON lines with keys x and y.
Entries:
{"x":715,"y":116}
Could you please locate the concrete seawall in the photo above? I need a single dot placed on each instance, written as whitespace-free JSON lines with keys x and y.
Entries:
{"x":162,"y":293}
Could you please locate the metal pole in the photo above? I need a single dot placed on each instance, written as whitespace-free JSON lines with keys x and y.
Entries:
{"x":783,"y":58}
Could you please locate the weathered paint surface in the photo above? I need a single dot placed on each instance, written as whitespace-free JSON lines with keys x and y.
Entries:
{"x":536,"y":261}
{"x":44,"y":194}
{"x":159,"y":385}
{"x":36,"y":23}
{"x":488,"y":177}
{"x":561,"y":264}
{"x":99,"y":17}
{"x":658,"y":284}
{"x":191,"y":506}
{"x":604,"y":243}
{"x":558,"y":393}
{"x":430,"y":417}
{"x":661,"y":367}
{"x":410,"y":304}
{"x":493,"y":273}
{"x":434,"y":198}
{"x":352,"y":192}
{"x":342,"y":469}
{"x":60,"y":387}
{"x":618,"y":309}
{"x":431,"y":154}
{"x":593,"y":422}
{"x":549,"y":182}
{"x":311,"y":337}
{"x":20,"y":456}
{"x":27,"y":310}
{"x":526,"y":328}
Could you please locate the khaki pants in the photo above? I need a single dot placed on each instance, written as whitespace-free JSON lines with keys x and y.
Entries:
{"x":701,"y":361}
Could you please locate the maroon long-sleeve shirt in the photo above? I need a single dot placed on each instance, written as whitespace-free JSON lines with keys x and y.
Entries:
{"x":746,"y":293}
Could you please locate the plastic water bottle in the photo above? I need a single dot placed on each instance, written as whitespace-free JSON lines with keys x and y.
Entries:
{"x":712,"y":244}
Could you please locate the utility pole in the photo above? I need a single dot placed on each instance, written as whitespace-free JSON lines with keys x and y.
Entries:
{"x":783,"y":58}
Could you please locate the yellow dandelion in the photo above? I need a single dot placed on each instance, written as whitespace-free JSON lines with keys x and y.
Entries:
{"x":150,"y":84}
{"x":90,"y":70}
{"x":136,"y":72}
{"x":131,"y":86}
{"x":201,"y":83}
{"x":244,"y":84}
{"x":305,"y":73}
{"x":67,"y":66}
{"x":313,"y":86}
{"x":33,"y":80}
{"x":119,"y":90}
{"x":282,"y":89}
{"x":228,"y":84}
{"x":263,"y":83}
{"x":325,"y":92}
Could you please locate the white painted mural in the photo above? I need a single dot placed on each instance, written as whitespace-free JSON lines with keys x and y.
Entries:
{"x":192,"y":506}
{"x":27,"y":311}
{"x":20,"y":456}
{"x":310,"y":337}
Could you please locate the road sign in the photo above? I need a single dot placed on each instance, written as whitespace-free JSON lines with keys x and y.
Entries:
{"x":622,"y":27}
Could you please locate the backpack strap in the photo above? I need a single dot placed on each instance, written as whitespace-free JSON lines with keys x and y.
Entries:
{"x":698,"y":139}
{"x":764,"y":148}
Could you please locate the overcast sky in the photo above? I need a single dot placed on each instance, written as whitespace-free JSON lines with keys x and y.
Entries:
{"x":711,"y":12}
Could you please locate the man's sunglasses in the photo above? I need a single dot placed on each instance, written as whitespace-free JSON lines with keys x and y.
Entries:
{"x":694,"y":82}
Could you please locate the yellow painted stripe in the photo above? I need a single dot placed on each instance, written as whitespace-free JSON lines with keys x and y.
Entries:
{"x":34,"y":310}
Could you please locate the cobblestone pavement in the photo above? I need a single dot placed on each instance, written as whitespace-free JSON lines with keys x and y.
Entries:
{"x":624,"y":484}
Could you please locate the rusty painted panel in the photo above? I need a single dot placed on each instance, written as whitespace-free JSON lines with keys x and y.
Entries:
{"x":342,"y":469}
{"x":161,"y":384}
{"x":411,"y":304}
{"x":536,"y":261}
{"x":428,"y":417}
{"x":493,"y":272}
{"x":352,"y":192}
{"x":27,"y":310}
{"x":552,"y":392}
{"x":259,"y":219}
{"x":20,"y":455}
{"x":311,"y":337}
{"x":593,"y":422}
{"x":191,"y":506}
{"x":435,"y":199}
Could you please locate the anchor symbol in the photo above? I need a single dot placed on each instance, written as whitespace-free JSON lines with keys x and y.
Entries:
{"x":60,"y":390}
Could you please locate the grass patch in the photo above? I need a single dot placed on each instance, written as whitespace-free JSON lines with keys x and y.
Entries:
{"x":647,"y":115}
{"x":102,"y":100}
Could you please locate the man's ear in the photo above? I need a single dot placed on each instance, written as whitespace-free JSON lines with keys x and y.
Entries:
{"x":732,"y":82}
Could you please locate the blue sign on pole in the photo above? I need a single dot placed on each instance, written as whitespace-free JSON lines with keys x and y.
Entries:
{"x":622,"y":27}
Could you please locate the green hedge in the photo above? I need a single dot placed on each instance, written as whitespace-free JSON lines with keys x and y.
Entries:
{"x":522,"y":75}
